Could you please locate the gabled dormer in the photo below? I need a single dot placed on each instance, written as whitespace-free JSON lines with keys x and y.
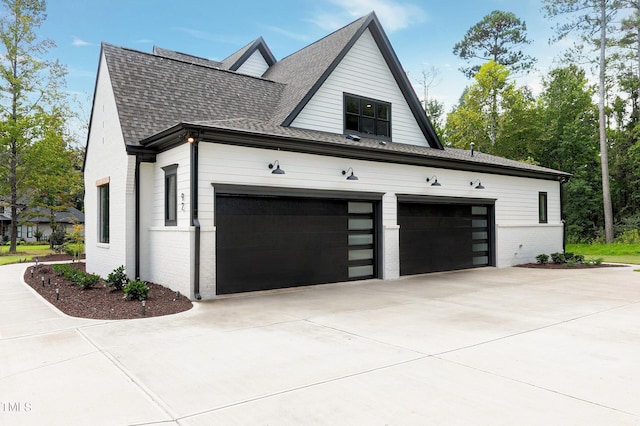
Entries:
{"x":351,"y":82}
{"x":253,"y":59}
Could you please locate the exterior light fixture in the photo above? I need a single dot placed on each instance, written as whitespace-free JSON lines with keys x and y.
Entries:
{"x":277,"y":170}
{"x":434,"y":178}
{"x":472,"y":148}
{"x":479,"y":186}
{"x":351,"y":176}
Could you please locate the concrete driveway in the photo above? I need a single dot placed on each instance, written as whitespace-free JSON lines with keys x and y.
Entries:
{"x":486,"y":346}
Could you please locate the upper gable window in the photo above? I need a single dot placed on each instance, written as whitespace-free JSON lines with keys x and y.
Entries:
{"x":367,"y":116}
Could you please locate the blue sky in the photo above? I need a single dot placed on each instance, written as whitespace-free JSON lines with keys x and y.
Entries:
{"x":422,"y":33}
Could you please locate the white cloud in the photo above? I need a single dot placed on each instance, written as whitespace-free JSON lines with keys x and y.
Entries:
{"x":393,"y":14}
{"x":79,"y":42}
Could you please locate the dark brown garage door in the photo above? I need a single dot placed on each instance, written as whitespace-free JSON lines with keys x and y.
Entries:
{"x":277,"y":242}
{"x":444,"y":237}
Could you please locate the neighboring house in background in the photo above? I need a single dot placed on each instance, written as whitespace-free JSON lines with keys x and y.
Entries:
{"x":252,"y":174}
{"x":37,"y":220}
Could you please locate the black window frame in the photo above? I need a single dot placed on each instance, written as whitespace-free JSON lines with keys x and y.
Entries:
{"x":361,"y":117}
{"x":543,"y":210}
{"x":171,"y":200}
{"x":103,"y":213}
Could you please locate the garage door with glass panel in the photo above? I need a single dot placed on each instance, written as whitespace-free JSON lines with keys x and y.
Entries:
{"x":269,"y":242}
{"x":444,"y":236}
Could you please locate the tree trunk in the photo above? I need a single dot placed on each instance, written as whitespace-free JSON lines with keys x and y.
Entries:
{"x":13,"y":182}
{"x":604,"y":155}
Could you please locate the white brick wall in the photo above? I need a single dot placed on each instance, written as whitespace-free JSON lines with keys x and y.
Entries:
{"x":106,"y":158}
{"x":517,"y":244}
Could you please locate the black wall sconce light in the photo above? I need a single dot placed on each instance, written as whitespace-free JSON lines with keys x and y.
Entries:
{"x":479,"y":186}
{"x":351,"y":176}
{"x":277,"y":170}
{"x":189,"y":138}
{"x":435,"y":182}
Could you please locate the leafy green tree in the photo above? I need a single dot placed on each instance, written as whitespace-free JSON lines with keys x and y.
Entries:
{"x":435,"y":112}
{"x":29,"y":88}
{"x":57,"y":182}
{"x":624,"y":141}
{"x":588,"y":18}
{"x":568,"y":141}
{"x":498,"y":37}
{"x":493,"y":114}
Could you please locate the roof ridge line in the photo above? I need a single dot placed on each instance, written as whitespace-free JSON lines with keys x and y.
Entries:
{"x":190,"y":63}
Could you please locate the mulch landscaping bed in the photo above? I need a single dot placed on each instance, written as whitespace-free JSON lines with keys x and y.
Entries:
{"x":565,"y":266}
{"x":100,"y":302}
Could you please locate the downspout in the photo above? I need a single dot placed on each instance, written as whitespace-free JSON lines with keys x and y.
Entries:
{"x":194,"y":217}
{"x":563,"y":180}
{"x":137,"y":219}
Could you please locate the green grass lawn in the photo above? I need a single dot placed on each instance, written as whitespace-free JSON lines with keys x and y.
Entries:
{"x":24,"y":252}
{"x":615,"y":253}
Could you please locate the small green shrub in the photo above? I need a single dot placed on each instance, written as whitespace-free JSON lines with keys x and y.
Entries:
{"x":74,"y":250}
{"x":118,"y":278}
{"x":136,"y":290}
{"x":571,"y":262}
{"x":558,"y":258}
{"x":630,"y":236}
{"x":86,"y":281}
{"x":579,"y":258}
{"x":67,"y":271}
{"x":57,"y":236}
{"x":594,"y":261}
{"x":542,"y":258}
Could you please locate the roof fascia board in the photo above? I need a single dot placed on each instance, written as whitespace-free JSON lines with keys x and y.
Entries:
{"x":174,"y":136}
{"x":93,"y":106}
{"x":403,"y":82}
{"x":307,"y":97}
{"x":260,"y":45}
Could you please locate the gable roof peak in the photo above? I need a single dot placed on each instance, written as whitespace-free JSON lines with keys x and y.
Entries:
{"x":236,"y":59}
{"x":306,"y":70}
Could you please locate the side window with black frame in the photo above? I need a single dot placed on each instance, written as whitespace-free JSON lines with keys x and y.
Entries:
{"x":171,"y":195}
{"x":103,"y":213}
{"x":542,"y":207}
{"x":368,"y":117}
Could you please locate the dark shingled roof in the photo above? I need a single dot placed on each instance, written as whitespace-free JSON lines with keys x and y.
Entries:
{"x":41,"y":215}
{"x":184,"y":57}
{"x":153,"y":92}
{"x":258,"y":127}
{"x":156,"y":94}
{"x":304,"y":68}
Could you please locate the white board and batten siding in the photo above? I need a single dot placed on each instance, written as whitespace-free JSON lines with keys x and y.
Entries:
{"x":107,"y":161}
{"x":516,"y":208}
{"x":362,"y":72}
{"x":255,"y":65}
